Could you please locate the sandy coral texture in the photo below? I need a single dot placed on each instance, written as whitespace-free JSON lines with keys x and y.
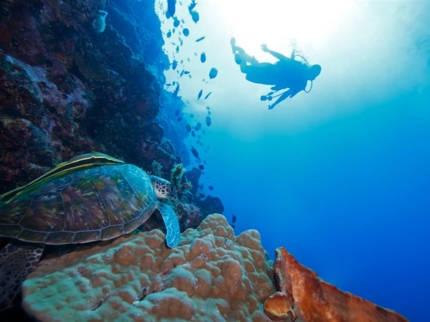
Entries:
{"x":211,"y":276}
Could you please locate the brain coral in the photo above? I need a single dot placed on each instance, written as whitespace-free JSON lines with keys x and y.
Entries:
{"x":211,"y":276}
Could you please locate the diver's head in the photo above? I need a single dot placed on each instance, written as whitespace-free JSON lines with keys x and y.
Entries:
{"x":314,"y":71}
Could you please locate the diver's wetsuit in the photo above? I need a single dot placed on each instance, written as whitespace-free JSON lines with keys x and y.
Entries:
{"x":282,"y":74}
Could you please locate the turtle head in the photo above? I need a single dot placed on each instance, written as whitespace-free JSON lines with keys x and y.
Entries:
{"x":163,"y":188}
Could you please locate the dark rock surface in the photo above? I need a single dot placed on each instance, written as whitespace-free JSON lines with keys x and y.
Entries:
{"x":210,"y":205}
{"x":67,"y":89}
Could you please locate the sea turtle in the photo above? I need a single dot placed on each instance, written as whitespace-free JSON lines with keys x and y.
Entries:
{"x":91,"y":197}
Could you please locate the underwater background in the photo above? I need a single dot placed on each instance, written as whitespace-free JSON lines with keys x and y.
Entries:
{"x":339,"y":176}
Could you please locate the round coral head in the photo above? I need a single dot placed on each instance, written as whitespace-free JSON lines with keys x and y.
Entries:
{"x":276,"y":306}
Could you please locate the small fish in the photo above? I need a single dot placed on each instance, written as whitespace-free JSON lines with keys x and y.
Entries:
{"x":200,"y":94}
{"x":195,"y":153}
{"x":177,"y":50}
{"x":211,"y":188}
{"x":208,"y":121}
{"x":233,"y":219}
{"x":208,"y":95}
{"x":174,"y":64}
{"x":193,"y":134}
{"x":176,"y":22}
{"x":202,"y":57}
{"x":186,"y":32}
{"x":180,"y":119}
{"x":195,"y":16}
{"x":168,"y":84}
{"x":213,"y":73}
{"x":171,"y":7}
{"x":208,"y":108}
{"x":175,"y":93}
{"x":201,"y":167}
{"x":198,"y":126}
{"x":177,"y":112}
{"x":202,"y":195}
{"x":200,"y":39}
{"x":169,"y":34}
{"x":192,"y":5}
{"x":188,"y":127}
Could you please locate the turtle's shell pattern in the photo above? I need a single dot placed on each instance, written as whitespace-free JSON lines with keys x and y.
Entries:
{"x":98,"y":203}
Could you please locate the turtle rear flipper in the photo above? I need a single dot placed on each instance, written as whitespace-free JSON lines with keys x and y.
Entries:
{"x":17,"y":260}
{"x":171,"y":222}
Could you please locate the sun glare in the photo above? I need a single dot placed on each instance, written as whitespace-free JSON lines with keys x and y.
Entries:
{"x":281,"y":23}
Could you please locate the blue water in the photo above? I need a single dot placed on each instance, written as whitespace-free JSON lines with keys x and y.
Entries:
{"x":340,"y":176}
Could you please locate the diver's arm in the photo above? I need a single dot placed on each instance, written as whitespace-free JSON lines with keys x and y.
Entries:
{"x":274,"y":53}
{"x":293,"y":54}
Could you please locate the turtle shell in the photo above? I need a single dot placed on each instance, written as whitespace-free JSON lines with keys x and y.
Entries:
{"x":98,"y":203}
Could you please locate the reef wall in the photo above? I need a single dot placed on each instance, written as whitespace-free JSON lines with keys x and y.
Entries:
{"x":69,"y":89}
{"x":75,"y":80}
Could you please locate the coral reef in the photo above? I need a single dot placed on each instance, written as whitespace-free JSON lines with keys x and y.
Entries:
{"x":304,"y":296}
{"x":189,"y":215}
{"x":211,"y":276}
{"x":210,"y":205}
{"x":193,"y":176}
{"x":69,"y":89}
{"x":177,"y":174}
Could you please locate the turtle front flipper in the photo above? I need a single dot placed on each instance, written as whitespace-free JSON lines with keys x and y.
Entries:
{"x":171,"y":222}
{"x":17,"y":260}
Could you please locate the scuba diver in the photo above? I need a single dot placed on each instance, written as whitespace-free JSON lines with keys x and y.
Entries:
{"x":286,"y":73}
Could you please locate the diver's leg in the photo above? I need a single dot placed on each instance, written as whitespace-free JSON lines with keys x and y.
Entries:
{"x":240,"y":56}
{"x":281,"y":98}
{"x":244,"y":67}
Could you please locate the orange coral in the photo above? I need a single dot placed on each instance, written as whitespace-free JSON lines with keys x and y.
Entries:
{"x":319,"y":301}
{"x":276,"y":306}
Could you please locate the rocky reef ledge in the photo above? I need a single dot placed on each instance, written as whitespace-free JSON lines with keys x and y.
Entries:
{"x":212,"y":276}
